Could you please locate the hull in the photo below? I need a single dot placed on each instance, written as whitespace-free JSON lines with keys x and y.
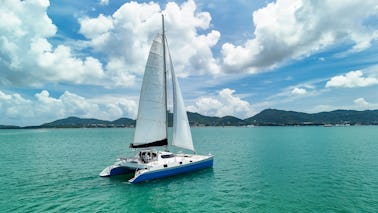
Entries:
{"x":161,"y":173}
{"x":123,"y":166}
{"x":116,"y":170}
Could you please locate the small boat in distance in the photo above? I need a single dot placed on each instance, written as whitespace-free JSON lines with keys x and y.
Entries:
{"x":151,"y":131}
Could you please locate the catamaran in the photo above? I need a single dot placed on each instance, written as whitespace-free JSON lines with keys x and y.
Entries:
{"x":151,"y":131}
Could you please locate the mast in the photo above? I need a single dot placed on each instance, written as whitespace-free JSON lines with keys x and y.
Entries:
{"x":165,"y":77}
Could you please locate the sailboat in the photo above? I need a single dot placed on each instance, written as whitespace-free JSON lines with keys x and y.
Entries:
{"x":153,"y":160}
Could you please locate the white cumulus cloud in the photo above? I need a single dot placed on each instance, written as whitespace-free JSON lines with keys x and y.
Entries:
{"x":124,"y":38}
{"x":104,"y":2}
{"x":361,"y":102}
{"x":26,"y":55}
{"x":18,"y":110}
{"x":351,"y":79}
{"x":290,"y":29}
{"x":126,"y":35}
{"x":223,"y":104}
{"x":299,"y":91}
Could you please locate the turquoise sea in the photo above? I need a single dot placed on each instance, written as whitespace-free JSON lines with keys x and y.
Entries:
{"x":261,"y":169}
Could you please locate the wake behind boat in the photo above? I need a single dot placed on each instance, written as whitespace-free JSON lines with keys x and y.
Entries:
{"x":151,"y":132}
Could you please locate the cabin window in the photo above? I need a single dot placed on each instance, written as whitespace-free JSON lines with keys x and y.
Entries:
{"x":165,"y":165}
{"x":180,"y":162}
{"x":168,"y":156}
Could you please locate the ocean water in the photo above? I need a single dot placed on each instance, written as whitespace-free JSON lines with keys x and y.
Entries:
{"x":262,"y":169}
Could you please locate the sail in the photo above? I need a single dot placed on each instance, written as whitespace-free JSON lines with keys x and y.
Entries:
{"x":182,"y":136}
{"x":151,"y":121}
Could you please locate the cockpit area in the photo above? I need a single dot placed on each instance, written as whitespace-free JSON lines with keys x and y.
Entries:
{"x":147,"y":155}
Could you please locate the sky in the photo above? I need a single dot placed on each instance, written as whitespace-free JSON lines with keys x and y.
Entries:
{"x":86,"y":58}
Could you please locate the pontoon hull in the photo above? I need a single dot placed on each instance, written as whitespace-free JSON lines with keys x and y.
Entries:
{"x":123,"y":166}
{"x":116,"y":170}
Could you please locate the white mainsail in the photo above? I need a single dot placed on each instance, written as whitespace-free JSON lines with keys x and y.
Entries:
{"x":151,"y":122}
{"x":182,"y":136}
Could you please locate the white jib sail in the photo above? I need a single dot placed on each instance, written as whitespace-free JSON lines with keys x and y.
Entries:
{"x":182,"y":136}
{"x":151,"y":120}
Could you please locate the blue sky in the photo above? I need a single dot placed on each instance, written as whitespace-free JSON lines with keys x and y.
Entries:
{"x":86,"y":58}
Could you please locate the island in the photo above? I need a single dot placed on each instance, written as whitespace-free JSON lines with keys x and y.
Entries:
{"x":267,"y":117}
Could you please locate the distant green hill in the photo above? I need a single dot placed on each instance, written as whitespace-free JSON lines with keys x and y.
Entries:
{"x":124,"y":122}
{"x":267,"y":117}
{"x":196,"y":119}
{"x":280,"y":118}
{"x":367,"y":117}
{"x":9,"y":127}
{"x":75,"y":122}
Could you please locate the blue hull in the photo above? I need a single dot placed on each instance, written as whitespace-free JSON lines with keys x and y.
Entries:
{"x":121,"y":171}
{"x":174,"y":171}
